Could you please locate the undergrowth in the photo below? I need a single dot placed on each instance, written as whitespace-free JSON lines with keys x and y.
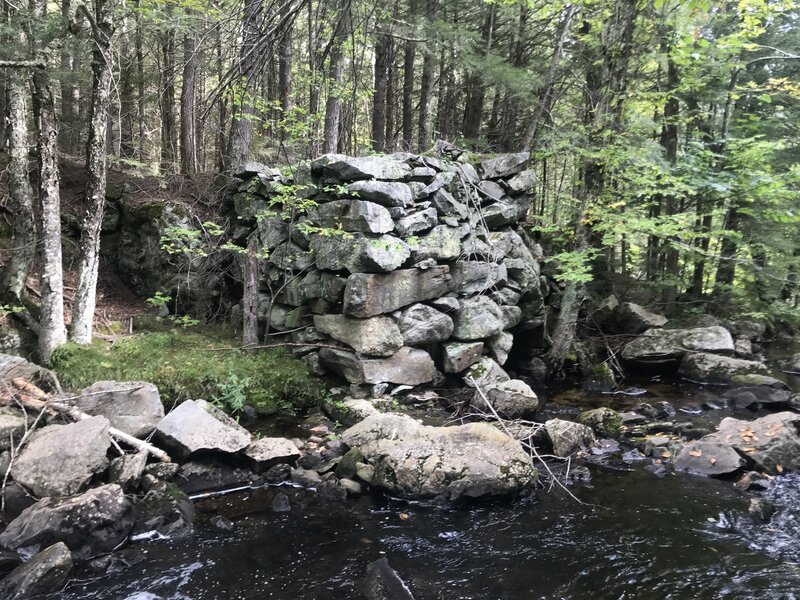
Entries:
{"x":185,"y":365}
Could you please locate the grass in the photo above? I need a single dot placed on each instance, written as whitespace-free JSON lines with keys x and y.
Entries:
{"x":184,"y":364}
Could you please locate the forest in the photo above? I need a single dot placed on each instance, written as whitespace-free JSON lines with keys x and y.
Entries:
{"x":664,"y":133}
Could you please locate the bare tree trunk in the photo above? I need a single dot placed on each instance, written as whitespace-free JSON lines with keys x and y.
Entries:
{"x":19,"y":188}
{"x":669,"y":141}
{"x":168,"y":103}
{"x":188,"y":103}
{"x":285,"y":75}
{"x":140,"y":97}
{"x":391,"y":86}
{"x":70,"y":91}
{"x":102,"y":73}
{"x":250,"y":299}
{"x":426,"y":88}
{"x":336,"y":60}
{"x":476,"y":91}
{"x":126,"y":95}
{"x":409,"y":55}
{"x":379,"y":96}
{"x":53,"y":332}
{"x":222,"y":109}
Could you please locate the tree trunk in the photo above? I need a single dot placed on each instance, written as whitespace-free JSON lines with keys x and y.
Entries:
{"x":250,"y":299}
{"x":168,"y":103}
{"x":409,"y":54}
{"x":285,"y":76}
{"x":188,"y":103}
{"x":96,"y":157}
{"x":20,"y":191}
{"x":476,"y":92}
{"x":140,"y":97}
{"x":669,"y":141}
{"x":426,"y":87}
{"x":53,"y":332}
{"x":70,"y":91}
{"x":336,"y":63}
{"x":379,"y":96}
{"x":126,"y":95}
{"x":391,"y":83}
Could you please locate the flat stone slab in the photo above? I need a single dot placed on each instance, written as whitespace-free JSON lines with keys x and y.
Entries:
{"x":366,"y":295}
{"x":376,"y":336}
{"x":196,"y":425}
{"x":267,"y":452}
{"x":353,"y":215}
{"x":708,"y":457}
{"x":461,"y":355}
{"x":477,"y":318}
{"x":409,"y":366}
{"x":702,"y":367}
{"x":132,"y":406}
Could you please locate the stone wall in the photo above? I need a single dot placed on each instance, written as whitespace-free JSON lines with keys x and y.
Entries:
{"x":424,"y":278}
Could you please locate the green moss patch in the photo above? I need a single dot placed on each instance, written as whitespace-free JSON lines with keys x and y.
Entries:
{"x":187,"y":365}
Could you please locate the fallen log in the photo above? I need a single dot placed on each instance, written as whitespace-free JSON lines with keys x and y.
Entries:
{"x":34,"y":398}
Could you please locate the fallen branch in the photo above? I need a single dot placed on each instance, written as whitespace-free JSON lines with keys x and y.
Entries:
{"x":35,"y":398}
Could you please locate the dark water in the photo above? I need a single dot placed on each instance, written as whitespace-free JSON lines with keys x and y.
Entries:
{"x":645,"y":538}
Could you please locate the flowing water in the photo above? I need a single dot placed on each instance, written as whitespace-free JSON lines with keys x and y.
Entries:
{"x":633,"y":536}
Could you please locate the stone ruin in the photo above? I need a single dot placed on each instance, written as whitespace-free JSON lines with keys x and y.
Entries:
{"x":427,"y":276}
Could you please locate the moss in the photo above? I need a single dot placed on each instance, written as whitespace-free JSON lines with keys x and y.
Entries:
{"x":189,"y":365}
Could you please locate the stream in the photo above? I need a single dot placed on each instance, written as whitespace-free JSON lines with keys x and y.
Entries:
{"x":633,"y":535}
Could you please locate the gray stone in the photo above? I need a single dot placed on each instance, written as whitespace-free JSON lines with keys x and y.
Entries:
{"x":353,"y":215}
{"x":477,"y":318}
{"x":12,"y":427}
{"x":306,"y":477}
{"x":210,"y":474}
{"x":383,"y":583}
{"x":60,"y":460}
{"x":568,"y":437}
{"x":708,"y":457}
{"x":471,"y":277}
{"x":165,"y":509}
{"x":359,"y":254}
{"x":484,"y":374}
{"x":524,"y":181}
{"x":409,"y":366}
{"x":492,"y":190}
{"x":196,"y":425}
{"x":417,"y":222}
{"x":446,"y":304}
{"x":414,"y":461}
{"x":271,"y":232}
{"x":132,"y":406}
{"x":376,"y":336}
{"x":771,"y":442}
{"x":499,"y":346}
{"x":13,"y":367}
{"x":45,"y":573}
{"x":791,"y":364}
{"x":289,"y":256}
{"x":627,"y":317}
{"x":440,"y":243}
{"x":460,"y":355}
{"x":265,"y":453}
{"x":127,"y":470}
{"x":750,"y":330}
{"x":350,"y":411}
{"x":347,"y":168}
{"x":423,"y":173}
{"x":385,"y":193}
{"x":505,"y":165}
{"x":449,"y":206}
{"x":367,"y":295}
{"x":91,"y":524}
{"x":660,"y":344}
{"x":713,"y":368}
{"x":512,"y":315}
{"x":421,"y":324}
{"x":513,"y":399}
{"x":507,"y":211}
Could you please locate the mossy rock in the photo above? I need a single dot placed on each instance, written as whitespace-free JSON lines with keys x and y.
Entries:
{"x":605,"y":422}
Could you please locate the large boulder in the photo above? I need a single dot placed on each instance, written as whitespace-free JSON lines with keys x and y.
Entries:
{"x":507,"y":211}
{"x":513,"y":399}
{"x":568,"y":437}
{"x":477,"y":318}
{"x":197,"y":426}
{"x":668,"y":346}
{"x":460,"y":355}
{"x":366,"y":295}
{"x":348,"y":168}
{"x":353,"y":215}
{"x":627,"y":317}
{"x":376,"y":336}
{"x":357,"y":253}
{"x":771,"y":442}
{"x":702,"y":367}
{"x":421,"y":324}
{"x":60,"y":460}
{"x":415,"y":461}
{"x":708,"y":457}
{"x":267,"y":452}
{"x":385,"y":193}
{"x":131,"y":406}
{"x":45,"y":573}
{"x":409,"y":366}
{"x":91,"y":524}
{"x":604,"y":421}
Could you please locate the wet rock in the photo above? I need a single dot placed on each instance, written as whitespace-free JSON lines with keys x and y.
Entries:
{"x":306,"y":478}
{"x":165,"y":509}
{"x":331,"y":491}
{"x":708,"y":457}
{"x":484,"y":374}
{"x":280,"y":503}
{"x":8,"y":562}
{"x":127,"y":470}
{"x":421,"y":324}
{"x":513,"y":399}
{"x":605,"y":422}
{"x":265,"y":453}
{"x":505,"y":165}
{"x":197,"y":425}
{"x":760,"y":510}
{"x":657,"y":411}
{"x":769,"y":442}
{"x":568,"y":437}
{"x":746,"y":397}
{"x":791,"y":365}
{"x":658,"y":470}
{"x":477,"y":318}
{"x":350,"y":411}
{"x":45,"y":573}
{"x":353,"y":488}
{"x":409,"y":366}
{"x":414,"y":461}
{"x":278,"y":474}
{"x":752,"y":481}
{"x":385,"y":193}
{"x":376,"y":336}
{"x":713,"y":368}
{"x":60,"y":460}
{"x":367,"y":295}
{"x":350,"y":168}
{"x":131,"y":406}
{"x":383,"y":583}
{"x":90,"y":524}
{"x":353,"y":216}
{"x":222,"y":523}
{"x":357,"y":253}
{"x":658,"y":345}
{"x":209,"y":474}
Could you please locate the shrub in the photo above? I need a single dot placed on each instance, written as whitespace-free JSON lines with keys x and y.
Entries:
{"x":187,"y":365}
